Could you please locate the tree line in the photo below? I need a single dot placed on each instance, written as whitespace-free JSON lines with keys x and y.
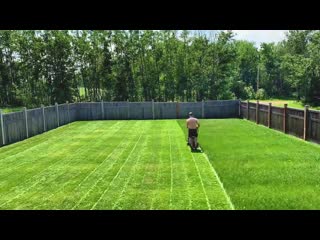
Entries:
{"x":48,"y":66}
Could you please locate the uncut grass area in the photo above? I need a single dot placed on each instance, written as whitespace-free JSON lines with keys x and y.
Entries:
{"x":262,"y":168}
{"x":109,"y":165}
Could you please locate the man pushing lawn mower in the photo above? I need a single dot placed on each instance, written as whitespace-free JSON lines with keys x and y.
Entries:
{"x":193,"y":125}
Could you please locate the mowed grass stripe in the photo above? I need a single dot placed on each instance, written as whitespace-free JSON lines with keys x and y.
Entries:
{"x":202,"y":185}
{"x":220,"y":186}
{"x":157,"y":144}
{"x":140,"y":190}
{"x":71,"y":183}
{"x":171,"y":168}
{"x":39,"y":164}
{"x":94,"y":190}
{"x":31,"y":143}
{"x":217,"y":197}
{"x":148,"y":184}
{"x":126,"y":127}
{"x":206,"y":184}
{"x":114,"y":165}
{"x":138,"y":198}
{"x":69,"y":199}
{"x":46,"y":177}
{"x":150,"y":174}
{"x":180,"y":192}
{"x":183,"y":160}
{"x":161,"y":197}
{"x":16,"y":160}
{"x":120,"y":182}
{"x":118,"y":172}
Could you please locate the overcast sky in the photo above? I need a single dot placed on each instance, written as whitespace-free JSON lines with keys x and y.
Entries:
{"x":256,"y":36}
{"x":259,"y":36}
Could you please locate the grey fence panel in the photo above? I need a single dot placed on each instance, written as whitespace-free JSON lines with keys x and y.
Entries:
{"x":1,"y":133}
{"x":116,"y":110}
{"x":89,"y":111}
{"x":185,"y":107}
{"x":165,"y":110}
{"x":63,"y":114}
{"x":35,"y":122}
{"x":1,"y":142}
{"x":14,"y":127}
{"x":73,"y":110}
{"x":51,"y":117}
{"x":140,"y":110}
{"x":221,"y":109}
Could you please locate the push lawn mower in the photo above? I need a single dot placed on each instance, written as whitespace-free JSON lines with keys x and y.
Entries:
{"x":193,"y":142}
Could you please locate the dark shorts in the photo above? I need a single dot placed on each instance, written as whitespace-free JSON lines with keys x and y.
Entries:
{"x":193,"y":133}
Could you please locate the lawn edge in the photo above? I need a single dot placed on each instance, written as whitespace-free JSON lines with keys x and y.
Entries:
{"x":220,"y":182}
{"x":311,"y":143}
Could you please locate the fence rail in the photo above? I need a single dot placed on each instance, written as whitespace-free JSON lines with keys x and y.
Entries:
{"x":302,"y":123}
{"x":18,"y":126}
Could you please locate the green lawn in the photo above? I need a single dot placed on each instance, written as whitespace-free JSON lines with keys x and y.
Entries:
{"x":147,"y":165}
{"x":109,"y":165}
{"x":281,"y":102}
{"x":261,"y":168}
{"x":11,"y":109}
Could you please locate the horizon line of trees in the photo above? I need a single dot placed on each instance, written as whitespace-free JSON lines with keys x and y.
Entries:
{"x":48,"y":66}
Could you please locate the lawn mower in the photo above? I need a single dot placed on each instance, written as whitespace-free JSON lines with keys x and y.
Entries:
{"x":193,"y":142}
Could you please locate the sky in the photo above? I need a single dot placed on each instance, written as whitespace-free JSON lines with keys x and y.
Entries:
{"x":256,"y":36}
{"x":260,"y":36}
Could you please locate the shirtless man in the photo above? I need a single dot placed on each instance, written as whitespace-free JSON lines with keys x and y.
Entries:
{"x":193,"y":125}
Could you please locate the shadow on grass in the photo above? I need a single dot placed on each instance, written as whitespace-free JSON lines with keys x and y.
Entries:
{"x":197,"y":151}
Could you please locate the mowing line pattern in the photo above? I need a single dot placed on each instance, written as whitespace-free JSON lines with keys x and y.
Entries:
{"x":34,"y":165}
{"x":115,"y":177}
{"x":97,"y":157}
{"x":220,"y":183}
{"x":109,"y":165}
{"x":42,"y":177}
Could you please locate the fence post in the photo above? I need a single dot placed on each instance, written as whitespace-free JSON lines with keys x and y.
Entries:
{"x":102,"y":110}
{"x":305,"y":122}
{"x":248,"y":108}
{"x":128,"y":108}
{"x":202,"y":108}
{"x":269,"y":115}
{"x":239,"y":108}
{"x":177,"y":110}
{"x":26,"y":121}
{"x":285,"y":117}
{"x":67,"y":102}
{"x":257,"y":112}
{"x":57,"y":112}
{"x":43,"y":118}
{"x":152,"y":109}
{"x":2,"y":128}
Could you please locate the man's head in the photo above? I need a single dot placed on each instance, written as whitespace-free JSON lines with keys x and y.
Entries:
{"x":190,"y":114}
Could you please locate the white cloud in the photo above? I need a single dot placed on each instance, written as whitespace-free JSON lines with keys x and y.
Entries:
{"x":260,"y":36}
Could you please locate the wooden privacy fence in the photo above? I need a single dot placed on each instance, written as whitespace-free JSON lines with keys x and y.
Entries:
{"x":18,"y":126}
{"x":303,"y":123}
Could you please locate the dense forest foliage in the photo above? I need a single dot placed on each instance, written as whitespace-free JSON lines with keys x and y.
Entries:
{"x":44,"y":67}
